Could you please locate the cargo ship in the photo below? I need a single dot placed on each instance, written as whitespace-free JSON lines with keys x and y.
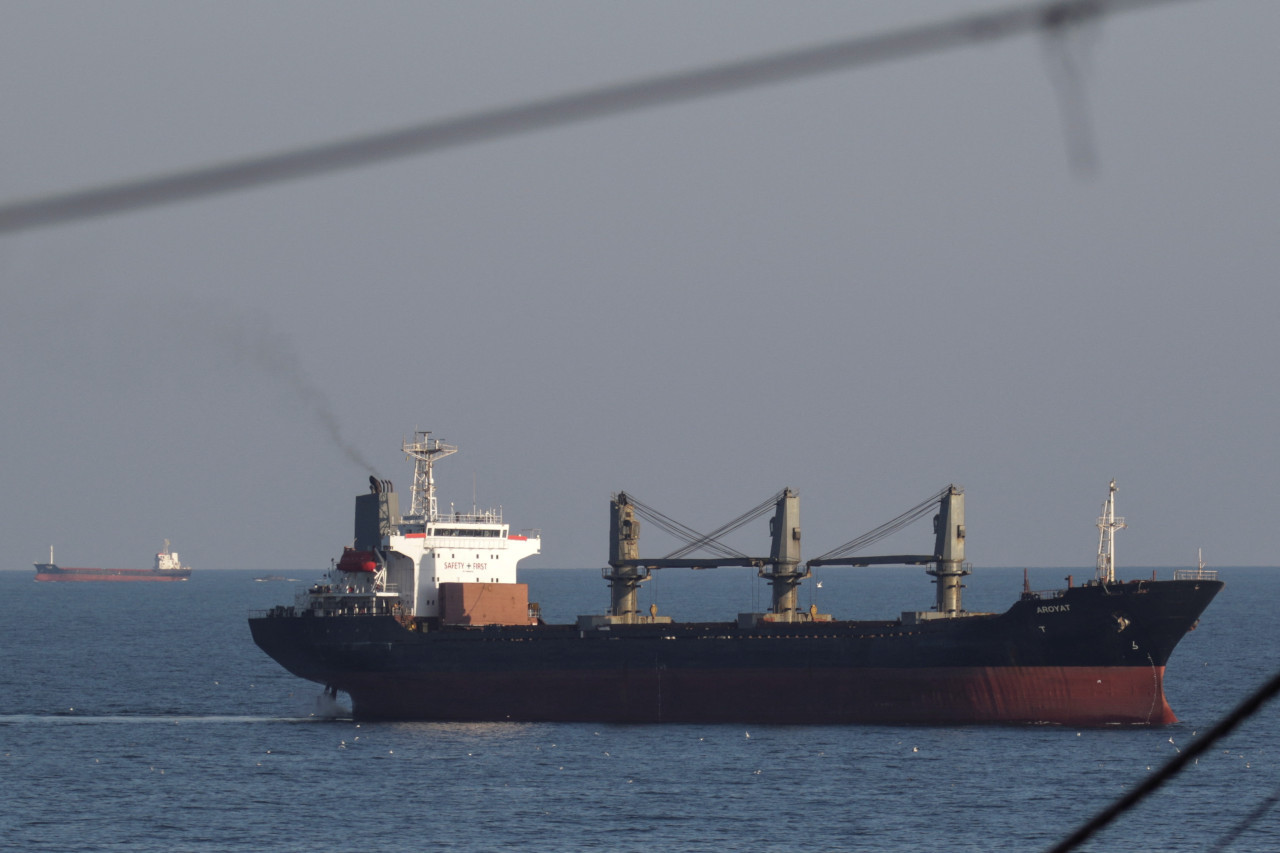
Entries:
{"x":167,"y":568}
{"x":422,"y":619}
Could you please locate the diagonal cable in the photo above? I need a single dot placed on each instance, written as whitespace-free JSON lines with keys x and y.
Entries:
{"x":1172,"y":767}
{"x":1050,"y":17}
{"x":711,"y":539}
{"x":889,"y":527}
{"x":1254,"y":815}
{"x":679,"y":531}
{"x":694,"y":540}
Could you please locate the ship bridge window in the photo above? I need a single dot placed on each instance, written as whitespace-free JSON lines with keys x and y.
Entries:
{"x":462,"y":531}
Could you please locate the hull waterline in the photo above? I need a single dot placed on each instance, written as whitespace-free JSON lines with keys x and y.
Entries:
{"x":1090,"y":657}
{"x":423,"y":618}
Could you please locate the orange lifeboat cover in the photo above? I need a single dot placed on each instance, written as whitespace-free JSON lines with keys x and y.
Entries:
{"x":357,"y":561}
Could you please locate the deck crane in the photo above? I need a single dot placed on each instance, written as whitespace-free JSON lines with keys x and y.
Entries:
{"x":783,"y":567}
{"x":627,"y":569}
{"x":948,"y":549}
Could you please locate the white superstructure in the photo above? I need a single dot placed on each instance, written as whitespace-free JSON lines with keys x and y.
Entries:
{"x":166,"y":560}
{"x":451,"y":547}
{"x":401,"y":566}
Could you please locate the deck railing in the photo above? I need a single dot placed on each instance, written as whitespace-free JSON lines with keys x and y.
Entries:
{"x":1195,"y":574}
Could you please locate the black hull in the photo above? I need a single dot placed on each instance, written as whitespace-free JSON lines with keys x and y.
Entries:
{"x":1092,"y":655}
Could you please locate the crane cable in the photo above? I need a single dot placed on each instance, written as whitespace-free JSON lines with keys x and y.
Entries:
{"x":667,"y":524}
{"x":741,"y":521}
{"x":892,"y":526}
{"x":692,"y":538}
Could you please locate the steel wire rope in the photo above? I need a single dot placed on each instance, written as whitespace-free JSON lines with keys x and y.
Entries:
{"x":1172,"y":767}
{"x":1255,"y":814}
{"x":1050,"y":17}
{"x":694,"y":539}
{"x":671,"y":526}
{"x":889,"y":527}
{"x":893,"y":526}
{"x":664,"y":522}
{"x":727,"y":528}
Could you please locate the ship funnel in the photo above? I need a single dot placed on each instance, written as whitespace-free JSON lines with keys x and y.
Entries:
{"x":377,"y":514}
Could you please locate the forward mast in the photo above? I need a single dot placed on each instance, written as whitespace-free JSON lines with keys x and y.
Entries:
{"x":1108,"y":524}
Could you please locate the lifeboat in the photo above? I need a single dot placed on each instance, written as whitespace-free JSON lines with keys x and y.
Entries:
{"x":357,"y":561}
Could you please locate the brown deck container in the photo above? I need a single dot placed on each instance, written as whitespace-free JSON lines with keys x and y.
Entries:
{"x":485,"y":604}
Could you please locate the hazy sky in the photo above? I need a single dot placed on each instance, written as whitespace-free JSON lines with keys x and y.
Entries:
{"x":864,"y":285}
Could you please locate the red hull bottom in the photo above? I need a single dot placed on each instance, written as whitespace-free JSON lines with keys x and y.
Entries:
{"x":1075,"y":696}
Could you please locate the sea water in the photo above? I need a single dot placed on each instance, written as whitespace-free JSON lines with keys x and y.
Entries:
{"x":141,"y":717}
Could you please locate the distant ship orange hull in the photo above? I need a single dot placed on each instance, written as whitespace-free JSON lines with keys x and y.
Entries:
{"x":50,"y":572}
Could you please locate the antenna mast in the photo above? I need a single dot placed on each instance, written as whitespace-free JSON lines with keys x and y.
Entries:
{"x":1108,"y":524}
{"x":424,"y":450}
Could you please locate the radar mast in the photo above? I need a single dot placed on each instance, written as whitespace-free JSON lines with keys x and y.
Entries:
{"x":424,"y":450}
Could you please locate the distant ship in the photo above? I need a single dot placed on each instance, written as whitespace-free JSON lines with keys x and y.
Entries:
{"x":423,"y":620}
{"x":167,"y":568}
